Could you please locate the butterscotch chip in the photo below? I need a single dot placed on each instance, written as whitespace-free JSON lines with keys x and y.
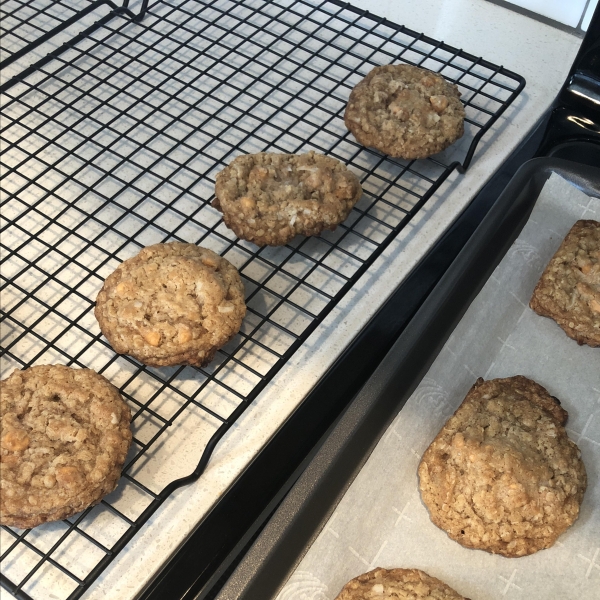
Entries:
{"x":405,"y":111}
{"x":269,"y":198}
{"x":569,"y":289}
{"x":64,"y":438}
{"x":502,"y":475}
{"x":172,"y":304}
{"x":397,"y":584}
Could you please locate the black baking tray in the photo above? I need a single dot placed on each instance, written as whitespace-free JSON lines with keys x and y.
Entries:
{"x":305,"y":510}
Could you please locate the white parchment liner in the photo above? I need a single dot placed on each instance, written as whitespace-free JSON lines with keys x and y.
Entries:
{"x":381,"y":520}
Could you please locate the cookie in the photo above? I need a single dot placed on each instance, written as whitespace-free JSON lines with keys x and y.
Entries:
{"x":396,"y":584}
{"x":172,"y":304}
{"x":405,"y":111}
{"x":502,"y":475}
{"x":569,"y":288}
{"x":269,"y":198}
{"x":65,"y":435}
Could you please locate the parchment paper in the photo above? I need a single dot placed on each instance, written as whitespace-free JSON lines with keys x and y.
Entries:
{"x":381,"y":520}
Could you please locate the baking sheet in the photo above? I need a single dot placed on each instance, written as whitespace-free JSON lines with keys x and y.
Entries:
{"x":381,"y":520}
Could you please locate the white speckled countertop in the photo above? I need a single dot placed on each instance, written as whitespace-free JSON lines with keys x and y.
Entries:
{"x":538,"y":52}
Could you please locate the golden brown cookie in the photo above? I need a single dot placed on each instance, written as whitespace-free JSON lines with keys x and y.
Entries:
{"x":502,"y":475}
{"x":405,"y":111}
{"x":65,"y":435}
{"x":172,"y":304}
{"x":269,"y":198}
{"x":569,"y":288}
{"x":397,"y":584}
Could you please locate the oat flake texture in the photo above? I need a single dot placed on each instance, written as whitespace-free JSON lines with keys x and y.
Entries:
{"x":502,"y":475}
{"x":569,"y":289}
{"x":172,"y":304}
{"x":405,"y":111}
{"x":397,"y":584}
{"x":65,"y":435}
{"x":270,"y":198}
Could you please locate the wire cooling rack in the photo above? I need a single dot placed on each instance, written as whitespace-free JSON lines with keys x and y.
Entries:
{"x":28,"y":24}
{"x":25,"y":22}
{"x":112,"y":143}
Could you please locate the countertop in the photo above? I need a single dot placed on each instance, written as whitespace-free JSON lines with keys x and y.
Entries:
{"x":540,"y":53}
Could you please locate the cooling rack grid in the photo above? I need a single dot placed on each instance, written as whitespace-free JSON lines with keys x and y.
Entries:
{"x":112,"y":142}
{"x":28,"y":24}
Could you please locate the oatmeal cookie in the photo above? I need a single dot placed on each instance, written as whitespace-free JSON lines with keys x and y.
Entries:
{"x":396,"y":584}
{"x":172,"y":304}
{"x":65,"y":435}
{"x":269,"y":198}
{"x":405,"y":111}
{"x":569,"y":288}
{"x":502,"y":475}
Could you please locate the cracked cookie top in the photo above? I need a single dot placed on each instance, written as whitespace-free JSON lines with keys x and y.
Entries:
{"x":65,"y":435}
{"x":502,"y":475}
{"x":269,"y":198}
{"x":405,"y":111}
{"x":569,"y":289}
{"x":172,"y":304}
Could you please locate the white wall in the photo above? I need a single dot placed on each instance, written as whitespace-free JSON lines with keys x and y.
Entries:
{"x":568,"y":12}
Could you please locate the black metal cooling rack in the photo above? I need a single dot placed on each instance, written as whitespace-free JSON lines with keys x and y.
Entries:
{"x":27,"y":24}
{"x":112,"y":143}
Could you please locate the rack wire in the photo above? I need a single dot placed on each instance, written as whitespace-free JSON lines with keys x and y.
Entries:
{"x":27,"y":24}
{"x":112,"y":142}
